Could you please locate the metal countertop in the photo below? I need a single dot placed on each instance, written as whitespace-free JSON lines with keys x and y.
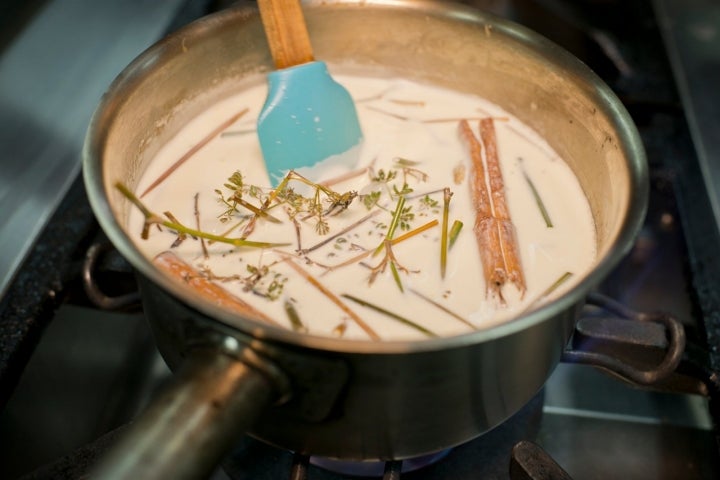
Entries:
{"x":52,"y":76}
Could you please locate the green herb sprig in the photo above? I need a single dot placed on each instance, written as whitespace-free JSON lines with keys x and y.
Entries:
{"x":152,"y":218}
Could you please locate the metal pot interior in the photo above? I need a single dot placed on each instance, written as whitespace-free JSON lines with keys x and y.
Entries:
{"x":435,"y":42}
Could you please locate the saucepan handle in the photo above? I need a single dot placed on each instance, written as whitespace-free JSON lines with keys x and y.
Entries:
{"x":651,"y":331}
{"x":192,"y":423}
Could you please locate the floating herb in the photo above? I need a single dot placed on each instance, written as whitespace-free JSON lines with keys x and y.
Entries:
{"x":383,"y":176}
{"x":340,"y":329}
{"x":397,"y":214}
{"x":152,"y":218}
{"x":428,"y":202}
{"x":257,"y":211}
{"x":394,"y":265}
{"x":371,"y":199}
{"x":396,"y":274}
{"x":333,"y":298}
{"x":557,"y":284}
{"x":236,"y":184}
{"x":194,"y":150}
{"x":538,"y":200}
{"x":292,"y":314}
{"x":264,"y":282}
{"x":418,"y":175}
{"x":405,"y":190}
{"x":389,"y":114}
{"x":390,"y":314}
{"x":196,"y":210}
{"x":413,"y":103}
{"x":459,"y":173}
{"x":312,"y":205}
{"x":454,"y":232}
{"x":237,"y":133}
{"x":181,"y":236}
{"x":404,"y":162}
{"x":443,"y":308}
{"x":344,"y":231}
{"x":414,"y":232}
{"x":447,"y":195}
{"x":395,"y":241}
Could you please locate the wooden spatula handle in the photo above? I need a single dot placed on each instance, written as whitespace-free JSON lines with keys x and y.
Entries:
{"x":286,"y":32}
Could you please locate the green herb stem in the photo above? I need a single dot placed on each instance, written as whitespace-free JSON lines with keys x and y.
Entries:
{"x":447,"y":195}
{"x":390,"y":314}
{"x":454,"y":232}
{"x":297,"y":324}
{"x":443,"y":308}
{"x":333,"y":298}
{"x":397,"y":240}
{"x":396,"y":277}
{"x":538,"y":201}
{"x":151,"y":217}
{"x":393,"y":225}
{"x":258,"y":211}
{"x":563,"y":278}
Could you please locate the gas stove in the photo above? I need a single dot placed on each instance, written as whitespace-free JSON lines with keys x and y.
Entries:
{"x":72,"y":374}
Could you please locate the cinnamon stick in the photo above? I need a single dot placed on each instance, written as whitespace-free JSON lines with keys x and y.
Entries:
{"x":508,"y":236}
{"x":205,"y":288}
{"x":485,"y":227}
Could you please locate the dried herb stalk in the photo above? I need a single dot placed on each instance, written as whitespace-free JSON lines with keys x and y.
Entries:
{"x":257,"y":211}
{"x":394,"y":241}
{"x":194,"y":150}
{"x":342,"y":232}
{"x":333,"y":298}
{"x":414,"y":232}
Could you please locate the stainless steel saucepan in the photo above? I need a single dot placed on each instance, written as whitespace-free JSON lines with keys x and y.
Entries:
{"x":357,"y":400}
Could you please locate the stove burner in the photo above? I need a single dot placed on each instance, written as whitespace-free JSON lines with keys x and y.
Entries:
{"x":376,"y":469}
{"x":487,"y":456}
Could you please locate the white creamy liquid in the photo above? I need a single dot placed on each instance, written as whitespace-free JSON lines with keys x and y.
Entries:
{"x":435,"y":149}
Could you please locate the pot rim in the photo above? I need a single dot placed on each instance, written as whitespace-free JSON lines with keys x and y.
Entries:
{"x":629,"y":141}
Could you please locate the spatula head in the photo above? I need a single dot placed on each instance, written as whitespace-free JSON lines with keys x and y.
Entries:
{"x":306,"y":118}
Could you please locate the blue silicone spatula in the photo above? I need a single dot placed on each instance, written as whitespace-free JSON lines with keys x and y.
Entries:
{"x":307,"y":117}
